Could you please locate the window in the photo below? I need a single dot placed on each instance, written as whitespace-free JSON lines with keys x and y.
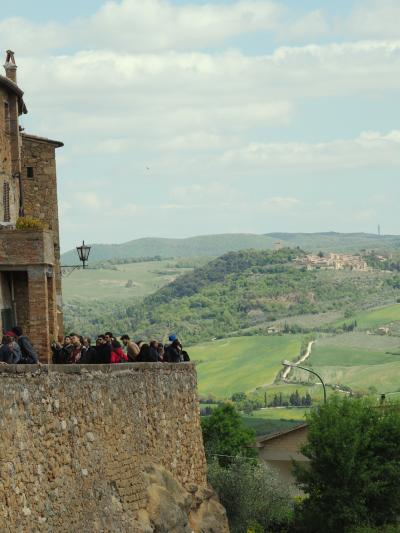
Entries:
{"x":6,"y":201}
{"x":7,"y":118}
{"x":29,"y":172}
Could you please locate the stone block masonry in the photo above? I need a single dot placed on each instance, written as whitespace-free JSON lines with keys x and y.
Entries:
{"x":75,"y":442}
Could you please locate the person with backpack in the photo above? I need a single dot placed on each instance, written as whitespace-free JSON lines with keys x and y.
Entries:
{"x":29,"y":355}
{"x":173,"y":352}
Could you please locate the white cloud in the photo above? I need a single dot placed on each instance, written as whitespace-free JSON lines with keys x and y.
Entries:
{"x":369,"y":149}
{"x":138,"y":25}
{"x":212,"y":194}
{"x":146,"y":25}
{"x":279,"y":203}
{"x":307,"y":27}
{"x":373,"y":19}
{"x":150,"y":84}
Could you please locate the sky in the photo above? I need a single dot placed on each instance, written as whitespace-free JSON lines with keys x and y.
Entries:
{"x":185,"y":118}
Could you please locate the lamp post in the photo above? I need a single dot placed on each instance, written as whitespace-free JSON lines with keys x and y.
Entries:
{"x":83,"y":253}
{"x":291,"y":365}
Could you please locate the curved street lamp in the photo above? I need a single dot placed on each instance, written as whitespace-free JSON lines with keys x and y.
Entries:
{"x":291,"y":365}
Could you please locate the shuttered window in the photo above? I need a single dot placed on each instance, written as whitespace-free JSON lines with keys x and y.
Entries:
{"x":6,"y":201}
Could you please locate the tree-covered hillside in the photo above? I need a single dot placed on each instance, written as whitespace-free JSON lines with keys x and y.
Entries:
{"x":237,"y":291}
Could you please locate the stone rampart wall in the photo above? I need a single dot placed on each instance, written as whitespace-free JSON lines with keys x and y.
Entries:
{"x":75,"y":441}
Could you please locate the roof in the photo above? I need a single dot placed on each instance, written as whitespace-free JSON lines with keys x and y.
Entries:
{"x":44,"y":140}
{"x":13,"y":87}
{"x":272,"y":436}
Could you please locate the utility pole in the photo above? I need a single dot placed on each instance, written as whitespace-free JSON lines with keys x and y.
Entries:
{"x":379,"y":230}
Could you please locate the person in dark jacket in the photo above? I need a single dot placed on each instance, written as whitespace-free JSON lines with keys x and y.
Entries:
{"x":88,"y":353}
{"x":10,"y":352}
{"x":154,"y":355}
{"x":103,"y":351}
{"x":29,"y":355}
{"x":62,"y":353}
{"x":147,"y":354}
{"x":173,"y":352}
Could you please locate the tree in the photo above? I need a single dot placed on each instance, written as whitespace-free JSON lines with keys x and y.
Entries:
{"x":238,"y":397}
{"x":353,"y":477}
{"x":253,"y":496}
{"x":225,"y":435}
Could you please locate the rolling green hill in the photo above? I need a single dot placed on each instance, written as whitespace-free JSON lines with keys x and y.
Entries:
{"x":241,"y":364}
{"x":244,"y":291}
{"x":249,"y":290}
{"x":215,"y":245}
{"x":207,"y":245}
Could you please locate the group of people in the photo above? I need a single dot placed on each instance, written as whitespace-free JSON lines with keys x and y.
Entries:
{"x":109,"y":350}
{"x":16,"y":348}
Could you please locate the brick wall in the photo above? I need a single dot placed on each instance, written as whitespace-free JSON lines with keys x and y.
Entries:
{"x":74,"y":442}
{"x":40,"y":196}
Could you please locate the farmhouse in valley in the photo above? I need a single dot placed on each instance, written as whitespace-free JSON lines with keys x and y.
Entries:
{"x":279,"y":450}
{"x":30,"y":278}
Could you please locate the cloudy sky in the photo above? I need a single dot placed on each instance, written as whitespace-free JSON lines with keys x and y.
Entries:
{"x":184,"y":118}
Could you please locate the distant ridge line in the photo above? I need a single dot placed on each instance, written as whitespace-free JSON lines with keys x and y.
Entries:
{"x":215,"y":245}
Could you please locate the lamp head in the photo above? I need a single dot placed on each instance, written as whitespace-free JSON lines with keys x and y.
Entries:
{"x":83,"y":252}
{"x":286,"y":363}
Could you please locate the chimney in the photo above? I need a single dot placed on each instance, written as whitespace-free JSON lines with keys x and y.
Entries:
{"x":10,"y":66}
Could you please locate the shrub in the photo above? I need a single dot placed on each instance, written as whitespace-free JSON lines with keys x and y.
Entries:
{"x":254,"y":498}
{"x":29,"y":223}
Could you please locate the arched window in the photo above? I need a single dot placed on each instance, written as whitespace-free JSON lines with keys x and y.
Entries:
{"x":6,"y":201}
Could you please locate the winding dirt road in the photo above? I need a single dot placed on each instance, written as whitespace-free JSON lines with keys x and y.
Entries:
{"x":301,"y":360}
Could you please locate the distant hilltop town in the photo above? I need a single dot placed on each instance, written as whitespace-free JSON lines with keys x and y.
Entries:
{"x":333,"y":261}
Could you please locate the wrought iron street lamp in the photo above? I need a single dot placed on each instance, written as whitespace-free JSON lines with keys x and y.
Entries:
{"x":83,"y":253}
{"x":292,"y":365}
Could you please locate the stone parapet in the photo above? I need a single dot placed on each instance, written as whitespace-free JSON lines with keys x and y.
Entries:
{"x":24,"y":248}
{"x":76,"y":440}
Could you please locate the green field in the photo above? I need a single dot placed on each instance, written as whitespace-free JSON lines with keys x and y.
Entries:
{"x":269,"y":421}
{"x":375,"y":318}
{"x":241,"y":364}
{"x":378,"y":317}
{"x":105,"y":284}
{"x":356,"y":360}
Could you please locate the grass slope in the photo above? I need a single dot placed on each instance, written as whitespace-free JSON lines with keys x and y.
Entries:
{"x":378,"y":317}
{"x":241,"y":364}
{"x":107,"y":284}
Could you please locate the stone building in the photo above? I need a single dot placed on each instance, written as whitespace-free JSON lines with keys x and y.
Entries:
{"x":30,"y":277}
